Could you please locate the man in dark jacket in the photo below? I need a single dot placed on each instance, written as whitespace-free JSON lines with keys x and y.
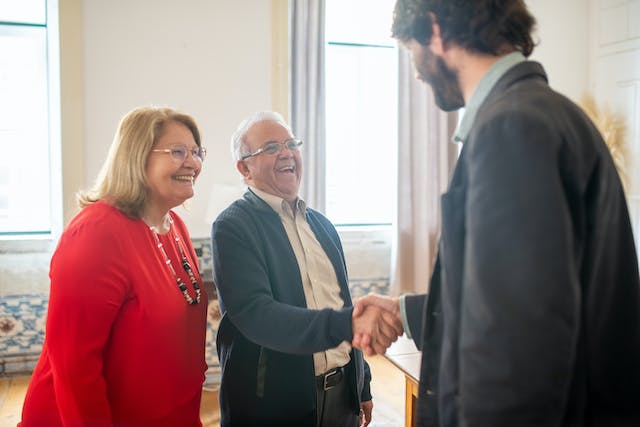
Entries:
{"x":533,"y":313}
{"x":283,"y":341}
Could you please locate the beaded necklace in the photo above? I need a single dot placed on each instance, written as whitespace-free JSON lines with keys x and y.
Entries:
{"x":185,"y":265}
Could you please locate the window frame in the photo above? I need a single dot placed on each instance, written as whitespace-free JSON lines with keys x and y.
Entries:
{"x":360,"y":39}
{"x":20,"y":242}
{"x":356,"y":121}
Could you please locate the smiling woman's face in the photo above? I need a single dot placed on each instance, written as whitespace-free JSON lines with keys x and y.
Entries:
{"x":171,"y":181}
{"x":277,"y":174}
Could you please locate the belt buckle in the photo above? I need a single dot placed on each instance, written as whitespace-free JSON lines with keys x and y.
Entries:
{"x":326,"y":386}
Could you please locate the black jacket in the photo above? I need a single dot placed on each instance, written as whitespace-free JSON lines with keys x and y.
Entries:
{"x":533,"y":317}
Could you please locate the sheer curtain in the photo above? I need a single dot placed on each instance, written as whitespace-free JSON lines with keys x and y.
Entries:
{"x":426,"y":157}
{"x":308,"y":94}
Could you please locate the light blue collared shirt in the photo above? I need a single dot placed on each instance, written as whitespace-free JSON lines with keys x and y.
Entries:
{"x":488,"y":81}
{"x":486,"y":84}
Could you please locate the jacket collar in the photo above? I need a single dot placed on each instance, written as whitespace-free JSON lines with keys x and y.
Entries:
{"x":502,"y":74}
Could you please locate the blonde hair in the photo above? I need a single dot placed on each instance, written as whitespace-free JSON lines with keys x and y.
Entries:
{"x":122,"y":181}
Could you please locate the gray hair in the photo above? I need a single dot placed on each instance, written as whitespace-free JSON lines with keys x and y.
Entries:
{"x":238,"y":142}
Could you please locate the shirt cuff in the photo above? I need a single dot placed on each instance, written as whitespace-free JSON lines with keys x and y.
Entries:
{"x":403,"y":314}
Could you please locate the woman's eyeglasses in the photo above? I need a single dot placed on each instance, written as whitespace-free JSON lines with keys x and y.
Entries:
{"x":272,"y":148}
{"x":179,"y":152}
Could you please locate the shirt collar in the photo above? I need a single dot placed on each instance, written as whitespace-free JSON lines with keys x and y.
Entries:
{"x":278,"y":204}
{"x":488,"y":81}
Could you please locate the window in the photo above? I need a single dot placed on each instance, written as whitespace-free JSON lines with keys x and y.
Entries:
{"x":361,"y":112}
{"x":30,"y":178}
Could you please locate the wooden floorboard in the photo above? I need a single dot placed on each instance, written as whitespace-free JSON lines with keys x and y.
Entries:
{"x":13,"y":390}
{"x":387,"y":388}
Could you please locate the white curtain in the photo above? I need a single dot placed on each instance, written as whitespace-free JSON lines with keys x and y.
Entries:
{"x":426,"y":157}
{"x":308,"y":94}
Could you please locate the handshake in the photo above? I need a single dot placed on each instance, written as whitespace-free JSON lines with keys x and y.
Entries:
{"x":376,"y":323}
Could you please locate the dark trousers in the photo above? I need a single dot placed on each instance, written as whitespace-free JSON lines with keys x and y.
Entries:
{"x":335,"y":403}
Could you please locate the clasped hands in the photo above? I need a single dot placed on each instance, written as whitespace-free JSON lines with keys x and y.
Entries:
{"x":376,"y":323}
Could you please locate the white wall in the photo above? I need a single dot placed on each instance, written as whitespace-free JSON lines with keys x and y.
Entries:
{"x":563,"y":49}
{"x":615,"y":81}
{"x":208,"y":58}
{"x":212,"y":59}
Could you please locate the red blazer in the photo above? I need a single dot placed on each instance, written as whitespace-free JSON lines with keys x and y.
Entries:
{"x":122,"y":347}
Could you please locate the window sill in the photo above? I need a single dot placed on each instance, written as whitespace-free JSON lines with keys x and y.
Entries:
{"x":22,"y":245}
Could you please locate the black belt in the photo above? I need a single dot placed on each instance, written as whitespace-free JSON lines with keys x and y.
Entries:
{"x":330,"y":379}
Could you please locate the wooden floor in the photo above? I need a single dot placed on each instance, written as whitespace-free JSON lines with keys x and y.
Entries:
{"x":387,"y":388}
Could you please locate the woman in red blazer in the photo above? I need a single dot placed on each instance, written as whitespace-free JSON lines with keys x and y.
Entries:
{"x":125,"y":332}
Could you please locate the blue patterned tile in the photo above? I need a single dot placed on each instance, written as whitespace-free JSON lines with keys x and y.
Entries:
{"x":212,"y":379}
{"x":22,"y":322}
{"x":362,"y":287}
{"x":202,"y":247}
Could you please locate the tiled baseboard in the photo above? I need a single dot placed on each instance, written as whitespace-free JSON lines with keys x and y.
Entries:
{"x":22,"y":322}
{"x":22,"y":327}
{"x":22,"y":319}
{"x":362,"y":287}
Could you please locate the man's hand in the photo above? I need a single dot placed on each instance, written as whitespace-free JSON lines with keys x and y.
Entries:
{"x":366,"y":408}
{"x":376,"y":323}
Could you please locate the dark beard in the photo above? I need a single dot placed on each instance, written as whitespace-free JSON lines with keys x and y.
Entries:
{"x":443,"y":81}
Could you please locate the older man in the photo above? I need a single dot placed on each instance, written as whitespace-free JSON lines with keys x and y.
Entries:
{"x":283,"y":340}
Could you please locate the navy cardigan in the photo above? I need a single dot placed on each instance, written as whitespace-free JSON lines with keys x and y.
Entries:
{"x":267,"y":336}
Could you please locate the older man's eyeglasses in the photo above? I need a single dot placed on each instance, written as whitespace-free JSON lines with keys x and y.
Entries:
{"x":273,"y":147}
{"x":179,"y":152}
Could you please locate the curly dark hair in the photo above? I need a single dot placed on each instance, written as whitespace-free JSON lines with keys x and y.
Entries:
{"x":483,"y":26}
